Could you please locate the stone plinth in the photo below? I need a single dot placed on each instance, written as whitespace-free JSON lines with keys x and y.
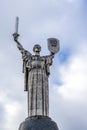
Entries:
{"x":38,"y":123}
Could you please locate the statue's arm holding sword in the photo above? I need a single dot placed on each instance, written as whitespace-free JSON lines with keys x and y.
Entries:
{"x":25,"y":53}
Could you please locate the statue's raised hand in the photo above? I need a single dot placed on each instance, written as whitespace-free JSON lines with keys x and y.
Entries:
{"x":15,"y":35}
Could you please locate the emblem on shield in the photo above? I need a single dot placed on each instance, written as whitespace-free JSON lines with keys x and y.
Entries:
{"x":53,"y":45}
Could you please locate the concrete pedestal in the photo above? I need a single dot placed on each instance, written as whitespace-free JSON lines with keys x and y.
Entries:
{"x":38,"y":123}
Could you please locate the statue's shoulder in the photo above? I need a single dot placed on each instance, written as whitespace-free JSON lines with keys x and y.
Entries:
{"x":46,"y":57}
{"x":43,"y":57}
{"x":27,"y":52}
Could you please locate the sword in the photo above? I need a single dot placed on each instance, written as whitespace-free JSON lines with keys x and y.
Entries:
{"x":16,"y":25}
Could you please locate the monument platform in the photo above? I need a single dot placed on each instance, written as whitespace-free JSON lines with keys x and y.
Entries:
{"x":38,"y":123}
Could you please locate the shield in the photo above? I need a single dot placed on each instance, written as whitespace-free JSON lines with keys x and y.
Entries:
{"x":53,"y":45}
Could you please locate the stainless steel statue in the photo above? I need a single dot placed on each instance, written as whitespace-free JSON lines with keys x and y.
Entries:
{"x":36,"y":69}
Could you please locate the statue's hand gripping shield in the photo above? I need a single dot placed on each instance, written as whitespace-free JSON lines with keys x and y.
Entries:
{"x":53,"y":45}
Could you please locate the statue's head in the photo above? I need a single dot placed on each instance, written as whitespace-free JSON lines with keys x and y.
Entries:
{"x":37,"y":48}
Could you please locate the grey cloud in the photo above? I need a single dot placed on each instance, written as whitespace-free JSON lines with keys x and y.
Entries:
{"x":2,"y":116}
{"x":2,"y":113}
{"x":69,"y":115}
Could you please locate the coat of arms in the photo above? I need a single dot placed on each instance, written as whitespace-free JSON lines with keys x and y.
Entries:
{"x":53,"y":45}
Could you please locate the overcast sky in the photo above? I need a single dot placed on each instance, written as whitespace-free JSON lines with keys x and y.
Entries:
{"x":39,"y":20}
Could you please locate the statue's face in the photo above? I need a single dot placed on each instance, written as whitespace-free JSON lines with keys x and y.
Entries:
{"x":37,"y":48}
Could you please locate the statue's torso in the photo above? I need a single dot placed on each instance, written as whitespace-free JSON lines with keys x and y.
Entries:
{"x":36,"y":62}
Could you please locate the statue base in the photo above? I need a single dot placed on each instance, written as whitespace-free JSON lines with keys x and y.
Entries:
{"x":38,"y":123}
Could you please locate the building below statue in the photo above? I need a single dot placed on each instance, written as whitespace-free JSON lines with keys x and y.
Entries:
{"x":38,"y":123}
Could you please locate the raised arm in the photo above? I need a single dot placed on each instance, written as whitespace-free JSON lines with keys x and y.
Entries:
{"x":20,"y":47}
{"x":49,"y":59}
{"x":25,"y":54}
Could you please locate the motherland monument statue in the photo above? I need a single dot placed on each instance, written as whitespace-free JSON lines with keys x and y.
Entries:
{"x":36,"y":71}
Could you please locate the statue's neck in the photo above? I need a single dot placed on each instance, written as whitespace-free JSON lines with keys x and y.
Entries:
{"x":37,"y":54}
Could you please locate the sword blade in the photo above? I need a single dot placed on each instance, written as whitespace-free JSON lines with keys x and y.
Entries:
{"x":16,"y":24}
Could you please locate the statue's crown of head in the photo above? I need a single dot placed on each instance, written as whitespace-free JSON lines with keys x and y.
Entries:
{"x":37,"y":48}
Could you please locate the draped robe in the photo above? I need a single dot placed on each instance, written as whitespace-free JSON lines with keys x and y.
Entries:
{"x":36,"y":70}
